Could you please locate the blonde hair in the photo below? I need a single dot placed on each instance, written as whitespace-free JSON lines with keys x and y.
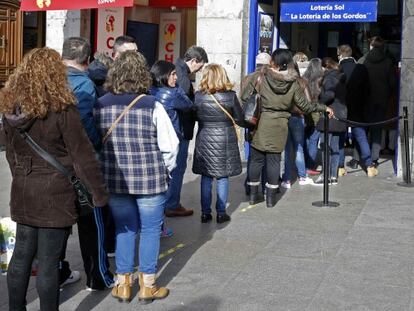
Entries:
{"x":344,"y":50}
{"x":300,"y":57}
{"x":38,"y":85}
{"x":215,"y":79}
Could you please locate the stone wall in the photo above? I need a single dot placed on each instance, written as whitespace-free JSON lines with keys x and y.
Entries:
{"x":407,"y":78}
{"x":61,"y":25}
{"x":222,"y":30}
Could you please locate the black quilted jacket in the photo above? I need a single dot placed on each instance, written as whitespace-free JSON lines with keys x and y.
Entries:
{"x":216,"y":149}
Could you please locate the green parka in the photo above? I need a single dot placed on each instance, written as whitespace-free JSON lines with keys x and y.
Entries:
{"x":279,"y":91}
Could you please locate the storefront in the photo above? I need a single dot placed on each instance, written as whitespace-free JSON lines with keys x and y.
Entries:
{"x":318,"y":31}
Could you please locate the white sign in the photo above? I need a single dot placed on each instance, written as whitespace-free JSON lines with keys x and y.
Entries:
{"x":109,"y":26}
{"x":169,"y":37}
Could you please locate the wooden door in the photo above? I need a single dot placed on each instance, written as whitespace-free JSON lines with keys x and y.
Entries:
{"x":11,"y":28}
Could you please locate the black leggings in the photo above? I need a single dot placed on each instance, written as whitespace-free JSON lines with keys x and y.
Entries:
{"x":48,"y":244}
{"x":257,"y":162}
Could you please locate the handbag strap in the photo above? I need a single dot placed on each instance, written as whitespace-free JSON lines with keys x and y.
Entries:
{"x":124,"y":112}
{"x":228,"y":114}
{"x":47,"y":156}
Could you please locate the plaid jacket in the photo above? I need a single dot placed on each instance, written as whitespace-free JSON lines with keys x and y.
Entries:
{"x":131,"y":160}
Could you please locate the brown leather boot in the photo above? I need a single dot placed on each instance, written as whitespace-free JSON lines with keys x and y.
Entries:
{"x":122,"y":288}
{"x":148,"y":290}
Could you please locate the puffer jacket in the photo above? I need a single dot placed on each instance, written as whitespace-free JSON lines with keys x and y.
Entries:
{"x":333,"y":94}
{"x":174,"y":100}
{"x":41,"y":196}
{"x":279,"y":92}
{"x":216,"y":151}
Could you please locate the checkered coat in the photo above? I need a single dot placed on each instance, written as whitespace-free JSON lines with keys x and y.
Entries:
{"x":131,"y":160}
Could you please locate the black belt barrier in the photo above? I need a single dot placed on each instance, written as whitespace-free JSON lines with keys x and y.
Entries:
{"x":407,"y":183}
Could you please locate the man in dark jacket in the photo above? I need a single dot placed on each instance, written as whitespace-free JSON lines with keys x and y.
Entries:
{"x":194,"y":59}
{"x":357,"y":95}
{"x":75,"y":55}
{"x":382,"y":80}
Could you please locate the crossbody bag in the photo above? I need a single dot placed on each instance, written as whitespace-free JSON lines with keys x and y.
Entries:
{"x":228,"y":115}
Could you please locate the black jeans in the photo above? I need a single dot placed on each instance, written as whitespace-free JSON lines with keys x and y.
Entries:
{"x":48,"y":244}
{"x":257,"y":162}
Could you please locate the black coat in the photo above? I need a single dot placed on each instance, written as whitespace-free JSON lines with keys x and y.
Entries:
{"x":183,"y":80}
{"x":333,"y":94}
{"x":382,"y":79}
{"x":216,"y":151}
{"x":97,"y":72}
{"x":357,"y":89}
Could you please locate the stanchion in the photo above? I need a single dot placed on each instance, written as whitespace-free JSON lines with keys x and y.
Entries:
{"x":407,"y":183}
{"x":326,"y":169}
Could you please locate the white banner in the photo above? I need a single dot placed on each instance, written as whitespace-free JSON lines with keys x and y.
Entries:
{"x":169,"y":37}
{"x":110,"y":25}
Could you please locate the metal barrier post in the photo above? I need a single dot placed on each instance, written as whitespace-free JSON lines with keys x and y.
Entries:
{"x":407,"y":182}
{"x":326,"y":169}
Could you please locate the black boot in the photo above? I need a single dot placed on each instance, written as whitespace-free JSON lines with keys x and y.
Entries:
{"x":271,"y":196}
{"x":254,"y":194}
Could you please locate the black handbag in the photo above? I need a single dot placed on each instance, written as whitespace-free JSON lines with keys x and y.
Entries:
{"x":252,"y":106}
{"x":84,"y":198}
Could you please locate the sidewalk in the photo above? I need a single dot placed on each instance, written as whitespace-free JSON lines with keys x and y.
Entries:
{"x":358,"y":256}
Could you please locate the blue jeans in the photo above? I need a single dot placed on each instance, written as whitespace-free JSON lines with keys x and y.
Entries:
{"x":334,"y":152}
{"x":360,"y":135}
{"x":177,"y":176}
{"x":134,"y":213}
{"x":222,"y":194}
{"x":342,"y":149}
{"x":295,"y":140}
{"x":312,"y":139}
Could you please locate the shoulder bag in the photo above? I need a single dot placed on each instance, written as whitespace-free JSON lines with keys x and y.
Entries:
{"x":252,"y":106}
{"x":229,"y":115}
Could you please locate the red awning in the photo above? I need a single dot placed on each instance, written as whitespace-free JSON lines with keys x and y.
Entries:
{"x":176,"y":3}
{"x":45,"y":5}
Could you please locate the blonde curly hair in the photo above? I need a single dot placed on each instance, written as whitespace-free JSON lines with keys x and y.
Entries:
{"x":38,"y":85}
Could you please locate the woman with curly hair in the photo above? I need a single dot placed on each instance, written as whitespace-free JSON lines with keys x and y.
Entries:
{"x":216,"y":154}
{"x":36,"y":99}
{"x":137,"y":157}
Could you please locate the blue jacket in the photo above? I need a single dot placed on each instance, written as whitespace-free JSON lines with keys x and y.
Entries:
{"x":173,"y":100}
{"x":85,"y":93}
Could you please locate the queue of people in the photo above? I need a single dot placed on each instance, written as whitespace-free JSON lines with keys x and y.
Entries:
{"x":124,"y":130}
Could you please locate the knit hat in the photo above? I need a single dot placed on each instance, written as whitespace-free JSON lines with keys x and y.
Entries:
{"x":263,"y":59}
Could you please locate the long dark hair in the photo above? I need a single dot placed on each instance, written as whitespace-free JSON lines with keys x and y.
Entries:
{"x":160,"y":72}
{"x":313,"y":75}
{"x":283,"y":59}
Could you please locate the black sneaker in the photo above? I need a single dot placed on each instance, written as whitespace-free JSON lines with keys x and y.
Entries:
{"x":375,"y":163}
{"x":205,"y":218}
{"x":352,"y":164}
{"x":318,"y":181}
{"x":334,"y":181}
{"x":223,"y":218}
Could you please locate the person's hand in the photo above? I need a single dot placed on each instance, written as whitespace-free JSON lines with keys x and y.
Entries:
{"x":330,"y":112}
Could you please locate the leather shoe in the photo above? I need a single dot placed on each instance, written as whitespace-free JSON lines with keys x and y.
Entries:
{"x":222,"y":218}
{"x":180,"y":211}
{"x":205,"y":218}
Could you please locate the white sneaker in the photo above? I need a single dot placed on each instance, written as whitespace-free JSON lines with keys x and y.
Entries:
{"x":286,"y":184}
{"x":305,"y":181}
{"x":90,"y":289}
{"x":110,"y":255}
{"x":73,"y":278}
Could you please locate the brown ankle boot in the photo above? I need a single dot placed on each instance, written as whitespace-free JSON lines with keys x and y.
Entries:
{"x":148,"y":290}
{"x":122,"y":288}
